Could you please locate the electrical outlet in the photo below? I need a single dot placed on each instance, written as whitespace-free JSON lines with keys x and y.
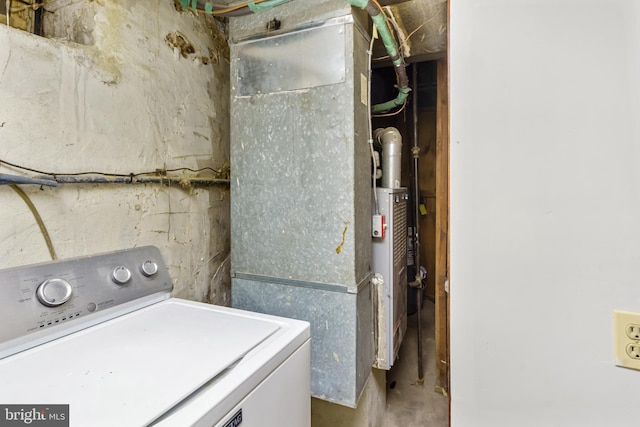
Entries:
{"x":626,"y":339}
{"x":633,"y":331}
{"x":633,"y":351}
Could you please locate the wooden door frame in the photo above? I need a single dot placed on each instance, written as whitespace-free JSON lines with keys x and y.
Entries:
{"x":442,"y":229}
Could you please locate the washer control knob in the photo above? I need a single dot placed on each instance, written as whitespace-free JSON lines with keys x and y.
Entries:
{"x":121,"y":275}
{"x":54,"y":292}
{"x":149,"y":268}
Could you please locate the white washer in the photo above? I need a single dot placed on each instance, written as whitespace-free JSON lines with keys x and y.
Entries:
{"x":124,"y":354}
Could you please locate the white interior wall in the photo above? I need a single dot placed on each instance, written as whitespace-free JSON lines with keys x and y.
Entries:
{"x":545,"y":208}
{"x":124,"y":102}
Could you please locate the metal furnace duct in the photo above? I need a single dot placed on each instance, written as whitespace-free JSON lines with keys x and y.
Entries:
{"x":300,"y":184}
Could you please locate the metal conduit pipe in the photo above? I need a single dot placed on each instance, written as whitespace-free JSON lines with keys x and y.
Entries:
{"x":53,"y":181}
{"x":6,"y":179}
{"x":184,"y":182}
{"x":415,"y":151}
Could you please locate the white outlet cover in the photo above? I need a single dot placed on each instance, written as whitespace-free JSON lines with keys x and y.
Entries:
{"x":623,"y":321}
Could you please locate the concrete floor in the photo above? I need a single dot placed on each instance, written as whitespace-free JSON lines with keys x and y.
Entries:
{"x":410,"y":404}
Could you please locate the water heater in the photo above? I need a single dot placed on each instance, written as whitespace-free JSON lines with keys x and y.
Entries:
{"x":390,"y":261}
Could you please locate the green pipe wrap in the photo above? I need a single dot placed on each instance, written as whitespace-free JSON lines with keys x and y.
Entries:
{"x":380,"y":21}
{"x":403,"y":94}
{"x":359,"y":3}
{"x":387,"y":39}
{"x":266,"y":5}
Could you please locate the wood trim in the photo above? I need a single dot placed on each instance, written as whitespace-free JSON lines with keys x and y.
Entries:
{"x":442,"y":227}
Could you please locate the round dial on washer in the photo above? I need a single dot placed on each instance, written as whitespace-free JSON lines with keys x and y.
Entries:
{"x":54,"y":292}
{"x":121,"y":275}
{"x":149,"y":268}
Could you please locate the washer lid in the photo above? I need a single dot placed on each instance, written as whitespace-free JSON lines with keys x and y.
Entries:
{"x":130,"y":370}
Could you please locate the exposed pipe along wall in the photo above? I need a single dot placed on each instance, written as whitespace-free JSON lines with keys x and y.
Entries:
{"x":380,"y":20}
{"x":241,"y":9}
{"x":49,"y":179}
{"x":419,"y":279}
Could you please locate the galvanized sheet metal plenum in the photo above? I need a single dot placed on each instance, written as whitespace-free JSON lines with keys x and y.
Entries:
{"x":301,"y":185}
{"x":300,"y":173}
{"x":295,"y":60}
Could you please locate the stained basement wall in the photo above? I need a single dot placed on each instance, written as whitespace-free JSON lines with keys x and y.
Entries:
{"x":545,"y":208}
{"x":115,"y":94}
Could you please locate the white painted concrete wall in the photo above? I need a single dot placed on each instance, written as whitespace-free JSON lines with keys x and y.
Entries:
{"x":124,"y":102}
{"x":545,"y":210}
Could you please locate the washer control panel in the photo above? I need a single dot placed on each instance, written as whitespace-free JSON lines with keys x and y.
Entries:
{"x":42,"y":299}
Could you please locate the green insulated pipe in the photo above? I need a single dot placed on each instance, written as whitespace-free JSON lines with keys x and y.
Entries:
{"x":253,"y":6}
{"x":266,"y":5}
{"x":380,"y":21}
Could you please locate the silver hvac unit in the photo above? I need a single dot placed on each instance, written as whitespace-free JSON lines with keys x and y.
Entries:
{"x":390,"y":260}
{"x":300,"y":184}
